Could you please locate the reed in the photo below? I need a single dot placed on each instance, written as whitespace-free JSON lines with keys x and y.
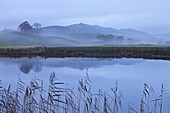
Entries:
{"x":33,"y":98}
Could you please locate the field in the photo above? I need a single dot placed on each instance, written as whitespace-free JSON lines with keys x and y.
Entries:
{"x":146,"y":52}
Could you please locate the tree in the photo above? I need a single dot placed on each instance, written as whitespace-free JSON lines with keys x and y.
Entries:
{"x":37,"y":27}
{"x":25,"y":27}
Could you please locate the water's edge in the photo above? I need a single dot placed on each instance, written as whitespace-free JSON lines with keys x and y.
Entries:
{"x":95,"y":52}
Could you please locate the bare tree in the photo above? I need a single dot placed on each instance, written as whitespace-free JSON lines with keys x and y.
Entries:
{"x":37,"y":26}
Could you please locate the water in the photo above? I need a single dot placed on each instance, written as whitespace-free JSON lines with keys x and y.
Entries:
{"x":131,"y":74}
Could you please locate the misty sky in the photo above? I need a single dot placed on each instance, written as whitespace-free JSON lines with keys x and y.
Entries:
{"x":151,"y":16}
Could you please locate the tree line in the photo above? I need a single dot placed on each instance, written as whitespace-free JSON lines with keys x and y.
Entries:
{"x":27,"y":28}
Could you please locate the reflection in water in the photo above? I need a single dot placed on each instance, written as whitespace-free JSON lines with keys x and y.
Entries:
{"x":131,"y":74}
{"x":27,"y":67}
{"x":37,"y":67}
{"x":36,"y":64}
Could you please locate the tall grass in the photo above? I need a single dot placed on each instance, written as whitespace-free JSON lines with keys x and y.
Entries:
{"x":33,"y":98}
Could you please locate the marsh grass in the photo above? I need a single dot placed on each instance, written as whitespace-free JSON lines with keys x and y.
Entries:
{"x":33,"y":98}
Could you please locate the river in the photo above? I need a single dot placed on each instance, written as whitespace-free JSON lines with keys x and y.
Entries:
{"x":130,"y":75}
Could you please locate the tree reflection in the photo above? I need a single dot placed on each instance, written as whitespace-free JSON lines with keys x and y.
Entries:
{"x":37,"y":67}
{"x":27,"y":67}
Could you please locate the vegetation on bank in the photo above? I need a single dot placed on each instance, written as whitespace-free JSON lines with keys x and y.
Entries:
{"x":35,"y":98}
{"x":3,"y":44}
{"x":151,"y":52}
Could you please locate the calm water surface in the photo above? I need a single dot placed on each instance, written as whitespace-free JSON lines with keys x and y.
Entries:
{"x":131,"y":74}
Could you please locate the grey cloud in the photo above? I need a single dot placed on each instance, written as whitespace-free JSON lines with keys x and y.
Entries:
{"x":137,"y":14}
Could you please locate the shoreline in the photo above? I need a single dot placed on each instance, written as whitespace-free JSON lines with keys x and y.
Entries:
{"x":94,"y":52}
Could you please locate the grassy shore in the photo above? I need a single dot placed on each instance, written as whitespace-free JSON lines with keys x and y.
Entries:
{"x":98,"y":52}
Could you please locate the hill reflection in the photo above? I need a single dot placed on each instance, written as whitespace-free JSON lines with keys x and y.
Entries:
{"x":36,"y":64}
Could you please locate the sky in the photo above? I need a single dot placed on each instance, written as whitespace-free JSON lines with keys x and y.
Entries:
{"x":152,"y":16}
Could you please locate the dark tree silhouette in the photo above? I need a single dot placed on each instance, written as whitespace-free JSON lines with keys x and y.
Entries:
{"x":37,"y":26}
{"x":25,"y":27}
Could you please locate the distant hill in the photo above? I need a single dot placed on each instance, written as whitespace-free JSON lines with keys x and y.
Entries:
{"x":87,"y":34}
{"x":55,"y":31}
{"x":85,"y":28}
{"x":77,"y":35}
{"x":18,"y":38}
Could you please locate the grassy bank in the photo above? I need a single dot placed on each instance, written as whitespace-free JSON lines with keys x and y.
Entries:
{"x":98,"y":52}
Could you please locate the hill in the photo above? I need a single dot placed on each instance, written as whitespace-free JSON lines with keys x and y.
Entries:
{"x":76,"y":35}
{"x":15,"y":38}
